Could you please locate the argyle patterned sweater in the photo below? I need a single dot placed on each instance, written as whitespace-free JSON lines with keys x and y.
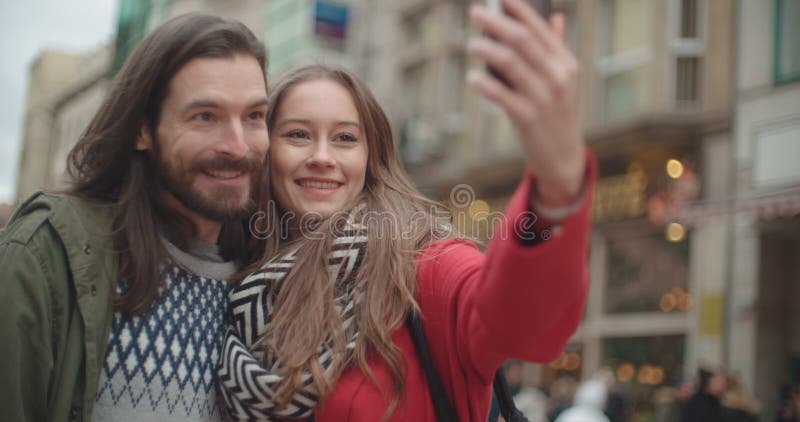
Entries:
{"x":161,"y":365}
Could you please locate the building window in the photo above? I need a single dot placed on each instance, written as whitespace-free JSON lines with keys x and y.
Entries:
{"x":424,"y":114}
{"x":646,"y":273}
{"x":787,"y":41}
{"x":626,"y":92}
{"x":452,"y":90}
{"x":626,"y":54}
{"x":688,"y":22}
{"x":687,"y":80}
{"x":687,"y":45}
{"x":419,"y":138}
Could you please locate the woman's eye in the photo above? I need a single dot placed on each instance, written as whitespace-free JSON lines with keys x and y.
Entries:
{"x":346,"y":137}
{"x":297,"y":134}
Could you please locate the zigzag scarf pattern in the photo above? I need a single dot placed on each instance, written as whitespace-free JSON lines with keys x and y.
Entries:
{"x":249,"y":373}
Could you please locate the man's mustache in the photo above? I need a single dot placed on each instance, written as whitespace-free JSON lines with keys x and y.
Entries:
{"x":249,"y":164}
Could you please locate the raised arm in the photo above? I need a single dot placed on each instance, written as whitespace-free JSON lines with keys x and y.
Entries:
{"x":517,"y":300}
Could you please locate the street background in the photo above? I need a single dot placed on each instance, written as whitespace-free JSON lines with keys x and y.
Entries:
{"x":691,"y":106}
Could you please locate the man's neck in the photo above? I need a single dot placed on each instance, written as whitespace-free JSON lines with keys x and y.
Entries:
{"x":205,"y":230}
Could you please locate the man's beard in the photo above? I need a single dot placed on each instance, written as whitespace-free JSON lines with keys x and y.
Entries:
{"x":221,"y":204}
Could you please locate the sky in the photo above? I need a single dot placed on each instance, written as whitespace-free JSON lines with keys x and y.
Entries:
{"x":26,"y":28}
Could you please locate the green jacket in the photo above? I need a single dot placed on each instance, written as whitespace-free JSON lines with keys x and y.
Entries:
{"x":57,"y":271}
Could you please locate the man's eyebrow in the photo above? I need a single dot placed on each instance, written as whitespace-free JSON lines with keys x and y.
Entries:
{"x":213,"y":104}
{"x":259,"y":102}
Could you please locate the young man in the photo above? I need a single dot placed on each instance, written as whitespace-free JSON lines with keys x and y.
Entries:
{"x":113,"y":293}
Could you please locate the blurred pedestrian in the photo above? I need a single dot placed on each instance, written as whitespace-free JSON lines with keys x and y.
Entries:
{"x":704,"y":405}
{"x":561,"y":392}
{"x":790,"y":410}
{"x":616,"y":408}
{"x":737,"y":404}
{"x":667,"y":407}
{"x":588,"y":405}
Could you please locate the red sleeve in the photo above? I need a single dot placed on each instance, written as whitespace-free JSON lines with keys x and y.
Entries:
{"x":516,"y":301}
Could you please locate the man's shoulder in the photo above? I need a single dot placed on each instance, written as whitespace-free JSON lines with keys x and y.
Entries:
{"x":67,"y":215}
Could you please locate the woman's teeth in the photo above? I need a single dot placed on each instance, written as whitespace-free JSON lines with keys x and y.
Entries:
{"x":318,"y":185}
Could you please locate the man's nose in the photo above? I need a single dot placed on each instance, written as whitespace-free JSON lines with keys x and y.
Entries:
{"x":232,"y":142}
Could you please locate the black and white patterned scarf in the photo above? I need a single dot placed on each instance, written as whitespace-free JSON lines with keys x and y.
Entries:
{"x":249,"y":373}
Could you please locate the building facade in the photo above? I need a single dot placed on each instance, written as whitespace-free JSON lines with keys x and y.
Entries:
{"x":64,"y":91}
{"x":50,"y":73}
{"x":764,"y":319}
{"x":305,"y":31}
{"x":659,"y":118}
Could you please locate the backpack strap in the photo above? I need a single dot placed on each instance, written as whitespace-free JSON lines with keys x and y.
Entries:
{"x":504,"y":399}
{"x":441,"y":403}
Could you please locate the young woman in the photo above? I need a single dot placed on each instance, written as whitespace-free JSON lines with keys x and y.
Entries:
{"x":318,"y":328}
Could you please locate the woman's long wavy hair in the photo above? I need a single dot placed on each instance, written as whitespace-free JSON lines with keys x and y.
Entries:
{"x":401,"y":222}
{"x":104,"y":166}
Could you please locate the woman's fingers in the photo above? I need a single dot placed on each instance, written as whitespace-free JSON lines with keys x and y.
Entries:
{"x":521,"y":11}
{"x":510,"y":32}
{"x":497,"y":92}
{"x":559,"y":24}
{"x":507,"y":62}
{"x":540,"y":85}
{"x":522,"y":40}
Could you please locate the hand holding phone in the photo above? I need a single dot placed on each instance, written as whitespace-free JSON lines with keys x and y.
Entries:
{"x":539,"y":91}
{"x":543,"y":7}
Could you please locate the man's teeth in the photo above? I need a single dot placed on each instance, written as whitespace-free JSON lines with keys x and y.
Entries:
{"x":220,"y":174}
{"x":319,"y":185}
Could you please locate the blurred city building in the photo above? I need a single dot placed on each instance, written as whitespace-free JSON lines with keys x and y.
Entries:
{"x":764,"y":319}
{"x":658,"y":86}
{"x":64,"y":90}
{"x":300,"y":31}
{"x":691,"y":107}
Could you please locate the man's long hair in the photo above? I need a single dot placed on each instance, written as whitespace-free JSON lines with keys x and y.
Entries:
{"x":400,"y":222}
{"x":105,"y":166}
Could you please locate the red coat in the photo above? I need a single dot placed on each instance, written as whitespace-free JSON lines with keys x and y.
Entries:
{"x":479,"y":310}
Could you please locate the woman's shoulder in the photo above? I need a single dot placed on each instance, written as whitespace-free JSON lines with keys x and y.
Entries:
{"x":437,"y":251}
{"x":443,"y":264}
